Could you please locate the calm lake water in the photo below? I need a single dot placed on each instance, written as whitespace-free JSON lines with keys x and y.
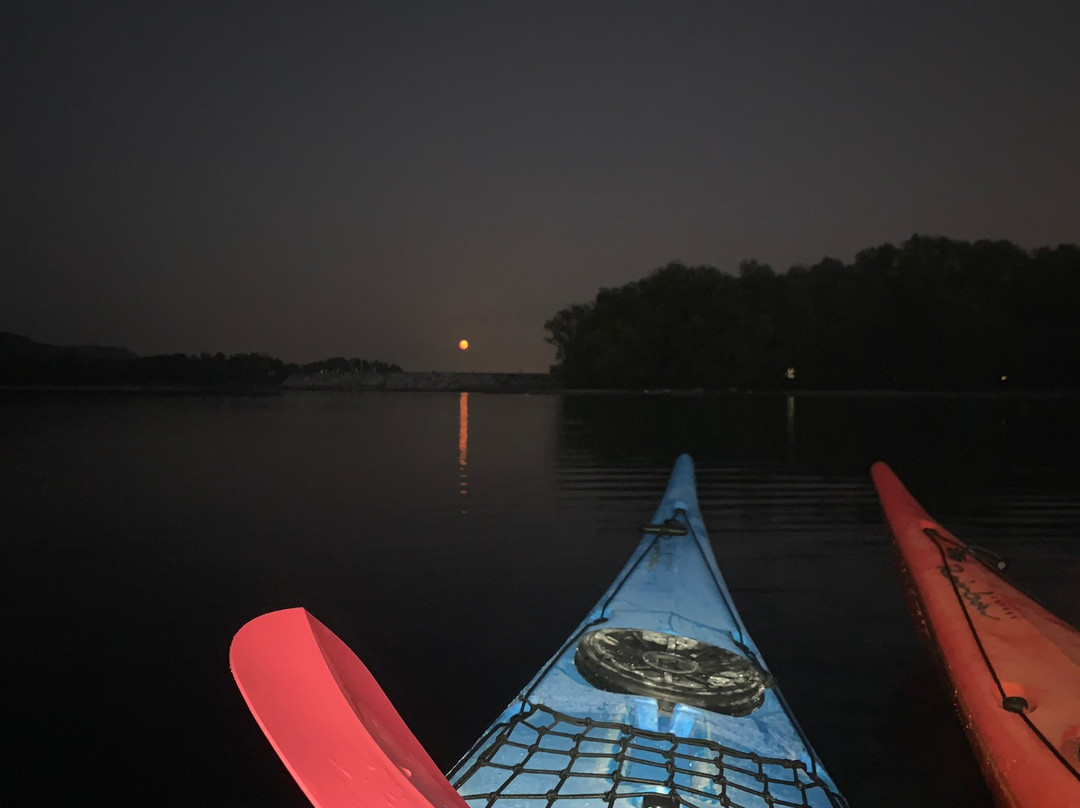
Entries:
{"x":453,"y":542}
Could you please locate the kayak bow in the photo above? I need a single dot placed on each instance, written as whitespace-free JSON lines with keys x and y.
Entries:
{"x":1012,"y":666}
{"x":659,"y":699}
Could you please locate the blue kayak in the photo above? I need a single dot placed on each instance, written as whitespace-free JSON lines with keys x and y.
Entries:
{"x":659,"y":698}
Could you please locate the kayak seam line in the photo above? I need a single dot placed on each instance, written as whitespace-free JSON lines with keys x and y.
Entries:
{"x":740,"y":641}
{"x":986,"y":659}
{"x":602,"y":618}
{"x":737,"y":618}
{"x":525,"y":696}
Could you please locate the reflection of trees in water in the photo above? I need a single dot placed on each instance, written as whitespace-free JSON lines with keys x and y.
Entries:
{"x":656,"y":428}
{"x":986,"y":435}
{"x":933,"y":313}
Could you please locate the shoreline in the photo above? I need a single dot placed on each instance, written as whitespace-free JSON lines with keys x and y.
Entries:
{"x":496,"y":383}
{"x":147,"y":390}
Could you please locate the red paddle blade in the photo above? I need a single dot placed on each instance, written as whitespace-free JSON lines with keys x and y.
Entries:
{"x":328,"y":719}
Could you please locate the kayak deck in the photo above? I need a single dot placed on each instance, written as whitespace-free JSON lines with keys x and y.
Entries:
{"x":1013,"y":667}
{"x":659,"y":695}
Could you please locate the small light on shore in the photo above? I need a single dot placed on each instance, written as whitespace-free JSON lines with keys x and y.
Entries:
{"x":1004,"y":377}
{"x":790,"y":374}
{"x":463,"y":345}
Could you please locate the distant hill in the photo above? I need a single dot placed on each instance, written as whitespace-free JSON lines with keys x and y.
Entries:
{"x":13,"y":346}
{"x":27,"y":363}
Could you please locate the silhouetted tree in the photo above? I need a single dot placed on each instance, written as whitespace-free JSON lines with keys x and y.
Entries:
{"x":24,"y":362}
{"x":933,"y":313}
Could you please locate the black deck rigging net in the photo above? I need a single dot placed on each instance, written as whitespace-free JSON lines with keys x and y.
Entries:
{"x":541,"y":757}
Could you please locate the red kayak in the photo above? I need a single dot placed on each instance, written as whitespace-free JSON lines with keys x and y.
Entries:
{"x":1012,"y":666}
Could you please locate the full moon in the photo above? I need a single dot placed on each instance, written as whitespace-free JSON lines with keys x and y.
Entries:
{"x":464,"y":345}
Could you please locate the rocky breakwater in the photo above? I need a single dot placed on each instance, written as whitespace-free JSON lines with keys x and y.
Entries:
{"x":430,"y":382}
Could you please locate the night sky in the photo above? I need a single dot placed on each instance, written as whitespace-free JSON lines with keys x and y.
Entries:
{"x":382,"y":179}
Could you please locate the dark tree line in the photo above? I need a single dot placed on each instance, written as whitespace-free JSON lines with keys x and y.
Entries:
{"x":933,"y":313}
{"x":339,"y":364}
{"x":52,"y":365}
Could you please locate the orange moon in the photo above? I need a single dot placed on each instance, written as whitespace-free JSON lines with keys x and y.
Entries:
{"x":463,"y":345}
